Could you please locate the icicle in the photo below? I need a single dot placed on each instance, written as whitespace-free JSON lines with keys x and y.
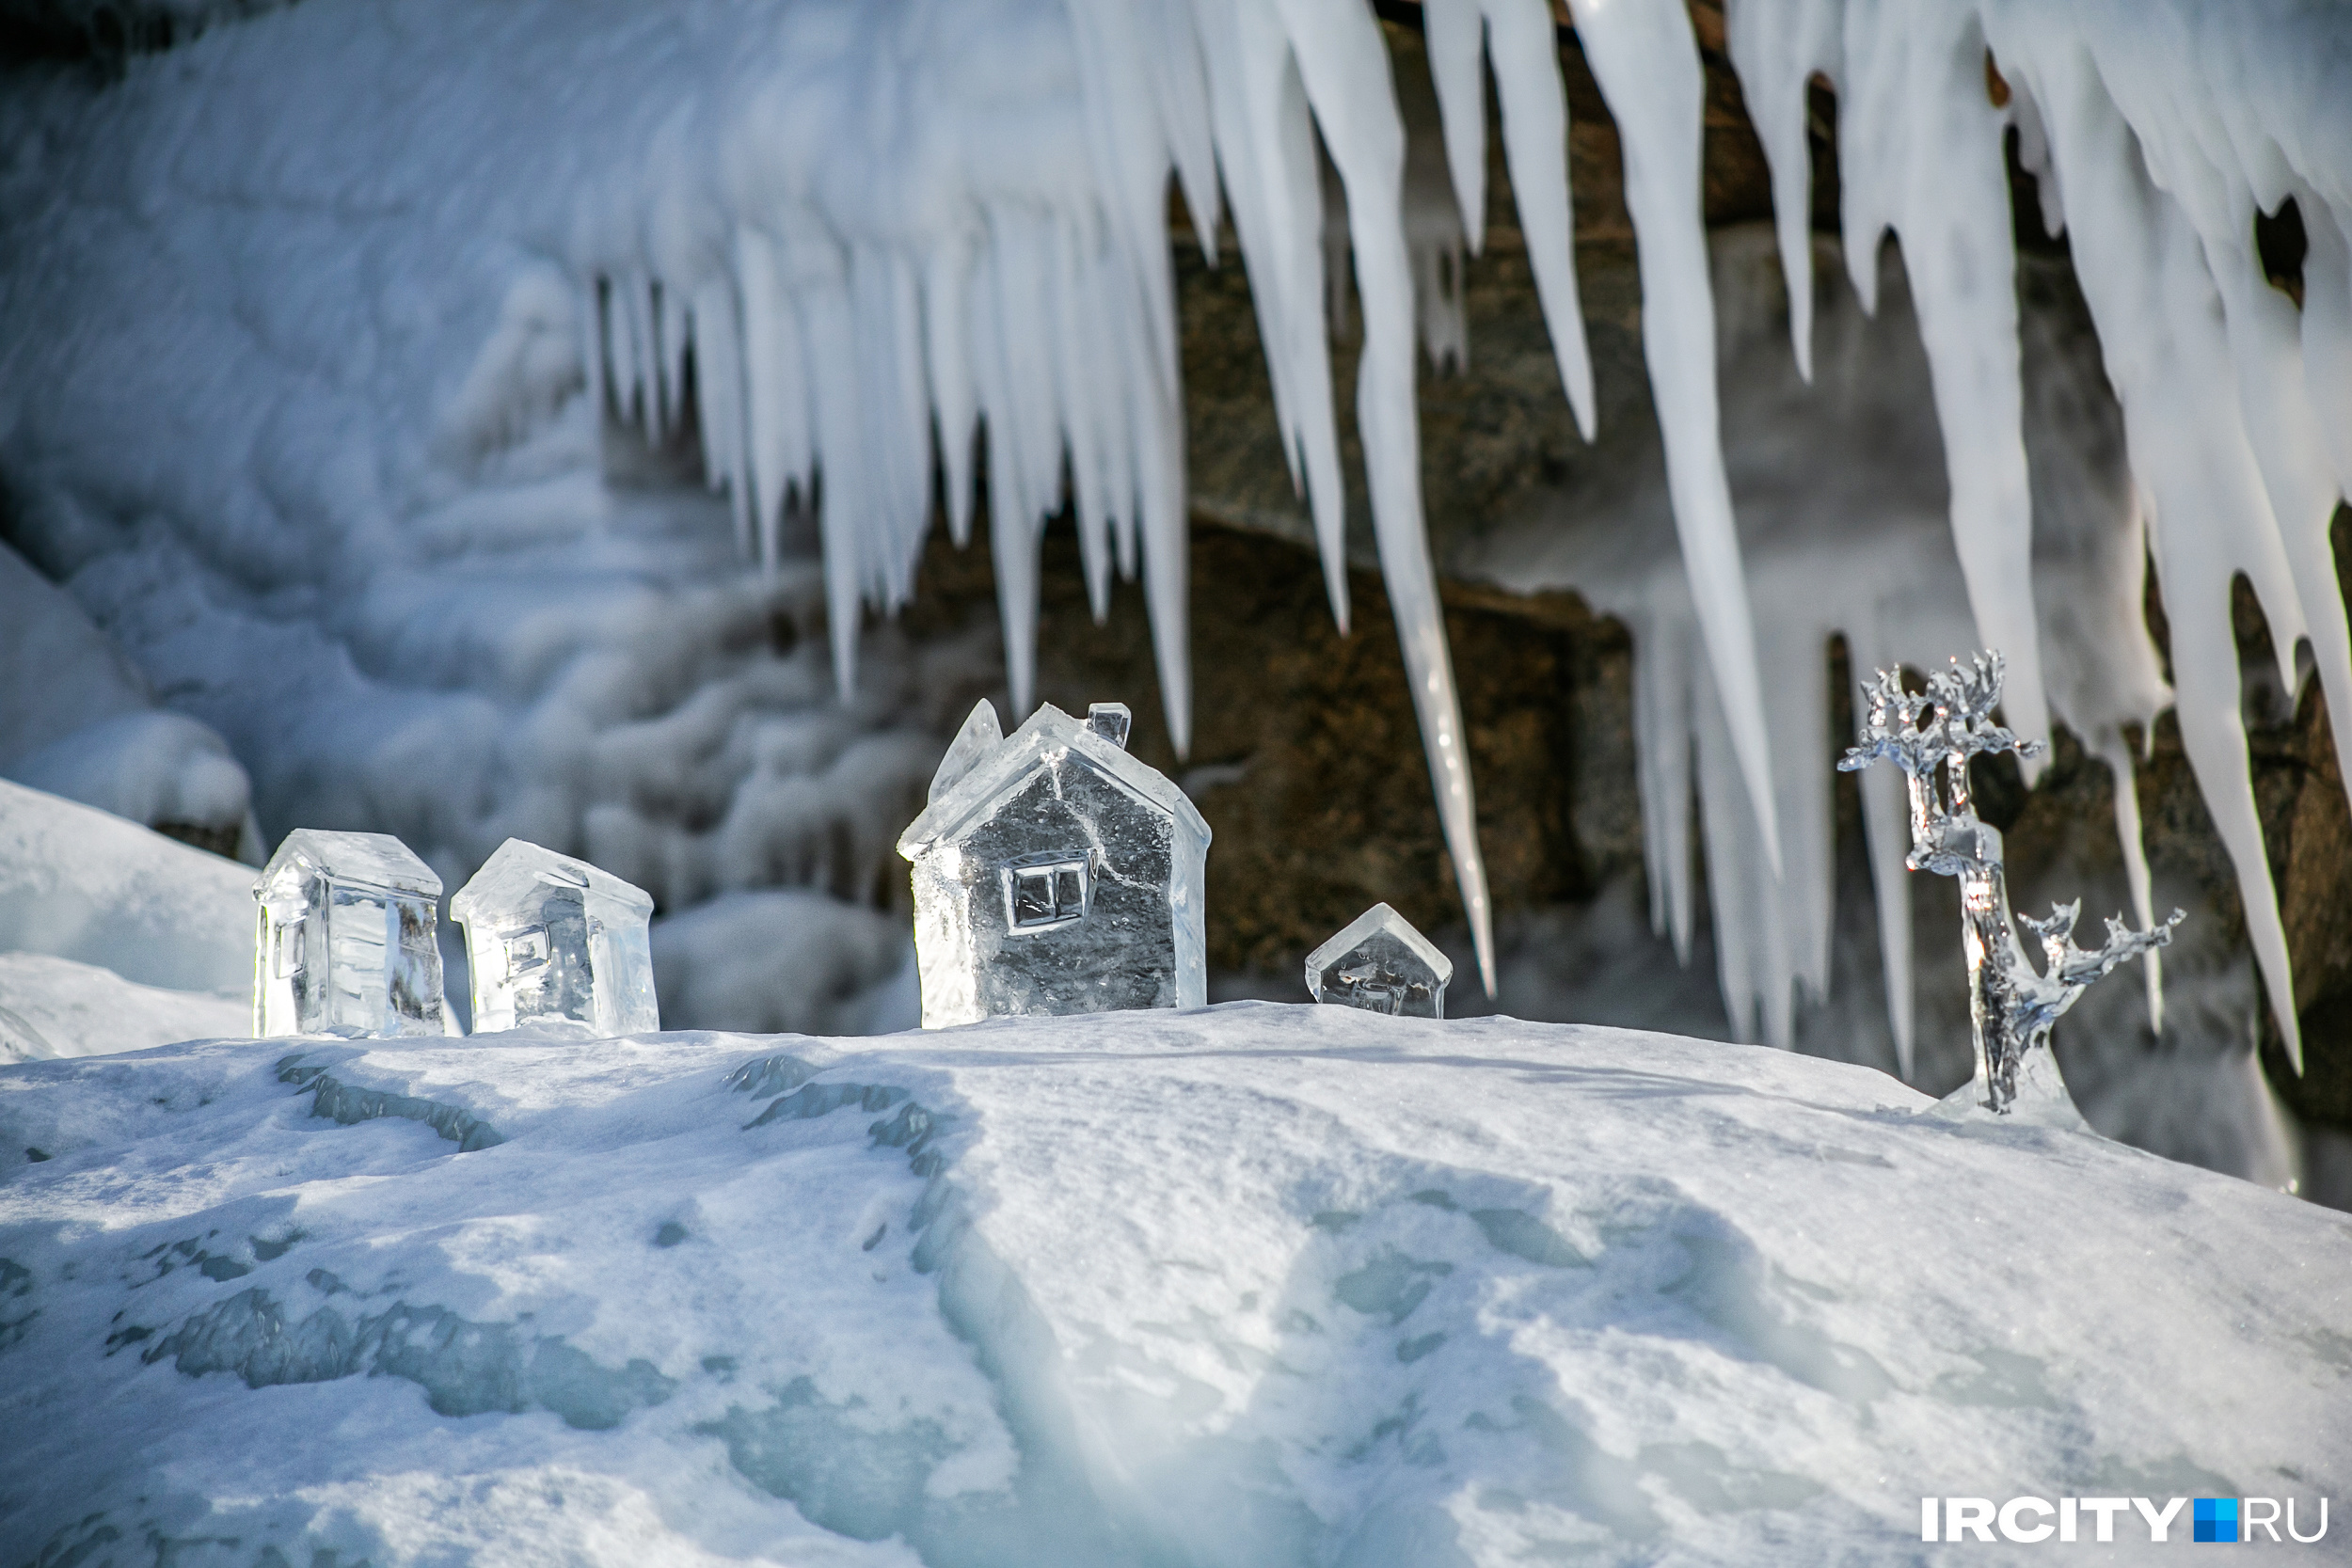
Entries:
{"x":2290,"y":449}
{"x":1344,"y":69}
{"x":1277,"y":200}
{"x":1646,"y":62}
{"x":1455,"y":31}
{"x":2111,"y":748}
{"x":2328,"y":333}
{"x":2139,"y":261}
{"x":1662,"y":729}
{"x":1012,"y":510}
{"x":718,"y":335}
{"x":1777,"y":48}
{"x":844,"y":514}
{"x":1074,"y":357}
{"x":894,"y":422}
{"x":771,"y":374}
{"x":1929,"y":165}
{"x":1526,"y":60}
{"x":948,"y":359}
{"x":595,"y":353}
{"x":670,"y":331}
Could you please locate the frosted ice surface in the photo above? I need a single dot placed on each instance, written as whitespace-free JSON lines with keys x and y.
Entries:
{"x":1380,"y":963}
{"x":346,"y":942}
{"x":1054,"y":872}
{"x":551,"y":939}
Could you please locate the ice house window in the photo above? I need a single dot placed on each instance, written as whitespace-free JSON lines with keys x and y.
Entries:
{"x":1045,"y":892}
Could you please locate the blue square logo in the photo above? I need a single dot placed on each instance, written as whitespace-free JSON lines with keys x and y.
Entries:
{"x":2214,"y":1519}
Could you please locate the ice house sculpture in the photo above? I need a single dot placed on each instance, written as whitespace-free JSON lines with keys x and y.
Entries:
{"x":1380,"y":963}
{"x":553,"y":941}
{"x":1054,"y":872}
{"x":346,"y":942}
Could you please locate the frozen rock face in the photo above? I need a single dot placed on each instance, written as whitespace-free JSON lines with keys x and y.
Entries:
{"x":1055,"y":874}
{"x":1381,"y":964}
{"x":551,"y":941}
{"x":346,"y":943}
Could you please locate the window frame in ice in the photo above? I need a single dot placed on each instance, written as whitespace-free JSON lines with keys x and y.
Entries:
{"x":1052,"y":866}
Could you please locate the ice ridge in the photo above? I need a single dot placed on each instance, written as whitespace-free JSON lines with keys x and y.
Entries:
{"x":465,"y":1368}
{"x":351,"y":1105}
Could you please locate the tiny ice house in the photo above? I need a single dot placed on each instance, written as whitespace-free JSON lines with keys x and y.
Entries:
{"x":1054,"y":872}
{"x":550,"y":939}
{"x":347,"y":942}
{"x":1378,"y":963}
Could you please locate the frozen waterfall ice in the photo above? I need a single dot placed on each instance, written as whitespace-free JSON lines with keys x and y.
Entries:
{"x":1380,"y":963}
{"x":1055,"y":873}
{"x":2010,"y":1007}
{"x":868,"y":236}
{"x":347,"y":942}
{"x":551,"y":941}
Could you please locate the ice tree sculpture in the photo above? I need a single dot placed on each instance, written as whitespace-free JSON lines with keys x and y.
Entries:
{"x":1380,"y":963}
{"x":347,"y":942}
{"x":2010,"y":1007}
{"x":551,"y":939}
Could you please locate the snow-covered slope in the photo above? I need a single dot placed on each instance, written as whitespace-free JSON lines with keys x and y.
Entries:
{"x":1251,"y":1286}
{"x":51,"y":1006}
{"x":79,"y":884}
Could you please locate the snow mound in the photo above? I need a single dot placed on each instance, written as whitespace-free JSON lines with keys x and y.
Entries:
{"x":56,"y":1008}
{"x":79,"y":884}
{"x":1248,"y":1285}
{"x":86,"y":728}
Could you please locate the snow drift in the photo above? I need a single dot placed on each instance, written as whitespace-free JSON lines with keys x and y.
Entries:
{"x":1402,"y":1293}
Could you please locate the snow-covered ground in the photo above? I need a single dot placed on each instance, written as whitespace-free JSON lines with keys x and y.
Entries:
{"x":1252,"y":1285}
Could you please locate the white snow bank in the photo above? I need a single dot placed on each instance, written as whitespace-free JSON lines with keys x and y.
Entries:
{"x":51,"y":1006}
{"x":79,"y":884}
{"x":77,"y":720}
{"x":1252,"y":1285}
{"x":149,"y":767}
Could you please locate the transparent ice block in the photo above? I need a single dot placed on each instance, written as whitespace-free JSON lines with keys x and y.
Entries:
{"x":345,"y":941}
{"x":553,"y":941}
{"x":1381,"y":964}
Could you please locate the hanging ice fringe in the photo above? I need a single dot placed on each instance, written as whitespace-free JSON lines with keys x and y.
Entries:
{"x":839,"y":350}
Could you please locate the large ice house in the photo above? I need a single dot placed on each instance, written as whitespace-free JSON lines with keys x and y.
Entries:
{"x":1055,"y":873}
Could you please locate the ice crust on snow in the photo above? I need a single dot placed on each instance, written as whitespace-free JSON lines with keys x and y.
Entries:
{"x":551,"y":941}
{"x":808,"y":1301}
{"x":344,"y":940}
{"x":1380,"y":963}
{"x":1054,"y":872}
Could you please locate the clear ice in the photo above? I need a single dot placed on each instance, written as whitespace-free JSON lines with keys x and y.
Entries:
{"x":346,"y":942}
{"x":553,"y":941}
{"x":2010,"y":1007}
{"x":1380,"y":963}
{"x":1054,"y":872}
